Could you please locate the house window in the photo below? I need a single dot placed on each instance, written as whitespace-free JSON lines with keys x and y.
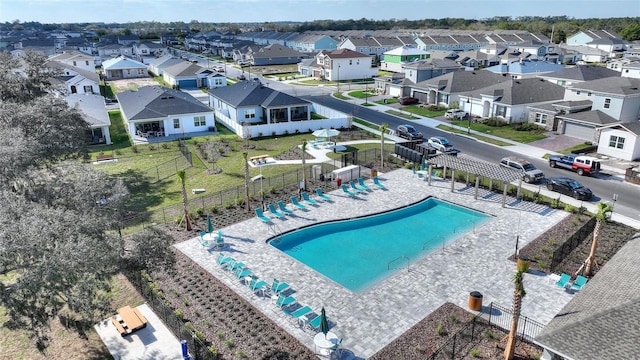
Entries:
{"x":86,"y":62}
{"x":199,"y":121}
{"x":176,"y":123}
{"x":607,"y":103}
{"x":250,"y":114}
{"x":350,"y":62}
{"x":562,"y":82}
{"x":74,"y":64}
{"x":616,"y":142}
{"x":541,"y":119}
{"x":88,"y":89}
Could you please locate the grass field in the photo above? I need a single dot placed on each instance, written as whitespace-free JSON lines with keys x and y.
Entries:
{"x":505,"y":132}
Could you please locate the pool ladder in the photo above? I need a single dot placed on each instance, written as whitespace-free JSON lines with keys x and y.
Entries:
{"x":396,"y":260}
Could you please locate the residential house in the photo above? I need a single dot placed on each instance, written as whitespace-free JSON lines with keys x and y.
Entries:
{"x":422,"y":70}
{"x":214,"y":80}
{"x":590,"y":106}
{"x":123,"y":68}
{"x":578,"y":74}
{"x":341,"y":65}
{"x":312,"y":43}
{"x":601,"y":321}
{"x":185,"y":75}
{"x":76,"y":59}
{"x":444,"y":90}
{"x":606,"y":40}
{"x":160,"y":112}
{"x":395,"y":59}
{"x":631,"y":70}
{"x":148,"y":51}
{"x":114,"y":50}
{"x":76,"y":80}
{"x":157,"y":66}
{"x":521,"y":68}
{"x":509,"y":100}
{"x":128,"y":40}
{"x":620,"y":141}
{"x":586,"y":53}
{"x":94,"y":112}
{"x":42,"y":46}
{"x":251,"y":109}
{"x":273,"y":54}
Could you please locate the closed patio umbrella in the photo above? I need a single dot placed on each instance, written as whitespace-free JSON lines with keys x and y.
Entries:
{"x":324,"y":323}
{"x":209,"y":224}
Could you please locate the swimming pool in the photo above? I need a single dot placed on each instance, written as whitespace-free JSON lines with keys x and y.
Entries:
{"x":357,"y":253}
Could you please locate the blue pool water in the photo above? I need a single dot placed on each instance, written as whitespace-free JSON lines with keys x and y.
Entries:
{"x":357,"y":253}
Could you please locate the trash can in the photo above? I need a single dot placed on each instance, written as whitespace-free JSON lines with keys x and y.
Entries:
{"x":339,"y":181}
{"x":374,"y":172}
{"x":475,"y":301}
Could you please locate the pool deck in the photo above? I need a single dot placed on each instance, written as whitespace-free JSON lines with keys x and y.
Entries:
{"x":369,"y":320}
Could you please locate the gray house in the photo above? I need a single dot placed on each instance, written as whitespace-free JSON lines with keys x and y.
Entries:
{"x":601,"y":321}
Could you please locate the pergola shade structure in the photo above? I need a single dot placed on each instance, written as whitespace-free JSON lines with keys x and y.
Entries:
{"x":477,"y":168}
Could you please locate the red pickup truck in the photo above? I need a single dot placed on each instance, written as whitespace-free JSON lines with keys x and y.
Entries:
{"x":583,"y":165}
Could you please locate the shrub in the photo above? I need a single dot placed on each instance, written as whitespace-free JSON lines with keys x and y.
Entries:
{"x":214,"y":209}
{"x":200,"y":335}
{"x":213,"y":350}
{"x":179,"y":314}
{"x":440,"y":329}
{"x":229,"y":343}
{"x":475,"y":352}
{"x":200,"y":212}
{"x":495,"y":122}
{"x":189,"y":326}
{"x":527,"y":126}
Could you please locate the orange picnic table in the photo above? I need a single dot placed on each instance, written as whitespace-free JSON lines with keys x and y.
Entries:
{"x":128,"y":320}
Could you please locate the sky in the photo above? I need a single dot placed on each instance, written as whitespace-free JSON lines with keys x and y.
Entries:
{"x":239,"y":11}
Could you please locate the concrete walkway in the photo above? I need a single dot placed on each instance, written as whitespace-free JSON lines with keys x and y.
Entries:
{"x":370,"y":319}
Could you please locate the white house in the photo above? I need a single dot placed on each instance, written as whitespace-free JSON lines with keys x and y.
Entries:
{"x":76,"y":80}
{"x":95,"y":114}
{"x":621,"y":141}
{"x":123,"y":68}
{"x":155,"y":111}
{"x":343,"y":64}
{"x":77,"y":60}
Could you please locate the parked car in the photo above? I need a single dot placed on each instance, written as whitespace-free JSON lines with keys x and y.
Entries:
{"x":455,"y":114}
{"x":242,"y":77}
{"x":568,"y":186}
{"x":439,"y":143}
{"x":405,"y":100}
{"x":583,"y":165}
{"x":408,"y":132}
{"x":530,"y":172}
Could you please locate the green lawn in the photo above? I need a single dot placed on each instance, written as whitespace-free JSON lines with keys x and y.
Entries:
{"x":359,"y":94}
{"x":479,"y":137}
{"x":506,"y":132}
{"x":387,"y":101}
{"x":401,"y":114}
{"x":423,"y":112}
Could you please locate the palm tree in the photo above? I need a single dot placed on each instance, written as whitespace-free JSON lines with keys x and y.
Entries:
{"x":182,"y":178}
{"x":383,"y":130}
{"x":518,"y":294}
{"x":304,"y":175}
{"x":601,"y":218}
{"x":246,"y":180}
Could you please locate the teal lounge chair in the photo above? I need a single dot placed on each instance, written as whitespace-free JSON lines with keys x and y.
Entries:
{"x":347,"y":191}
{"x":322,"y":195}
{"x":276,"y":213}
{"x":258,"y":285}
{"x":564,"y":280}
{"x":284,"y":300}
{"x":223,"y":260}
{"x":579,"y":283}
{"x":234,"y":266}
{"x":202,"y":233}
{"x":242,"y":273}
{"x":314,"y":324}
{"x":362,"y":184}
{"x":296,"y":313}
{"x":294,"y":201}
{"x":309,"y":200}
{"x":262,"y":216}
{"x":219,"y":242}
{"x":356,"y":187}
{"x":283,"y":208}
{"x":278,"y":286}
{"x":377,"y":183}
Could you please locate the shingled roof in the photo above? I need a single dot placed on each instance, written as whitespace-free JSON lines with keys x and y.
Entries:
{"x":253,"y":93}
{"x":601,"y":322}
{"x":152,"y":102}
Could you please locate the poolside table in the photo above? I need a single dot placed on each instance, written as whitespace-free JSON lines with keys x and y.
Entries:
{"x":325,"y":343}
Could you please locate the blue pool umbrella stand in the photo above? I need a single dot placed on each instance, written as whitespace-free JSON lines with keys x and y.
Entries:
{"x":324,"y":323}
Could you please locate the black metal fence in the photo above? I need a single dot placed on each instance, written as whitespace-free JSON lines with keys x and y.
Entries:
{"x":571,"y":243}
{"x":501,"y":316}
{"x":167,"y":169}
{"x":457,"y":346}
{"x":281,"y":186}
{"x":197,"y":347}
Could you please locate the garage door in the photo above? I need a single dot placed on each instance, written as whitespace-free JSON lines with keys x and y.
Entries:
{"x":423,"y":97}
{"x":579,"y":131}
{"x":188,"y":84}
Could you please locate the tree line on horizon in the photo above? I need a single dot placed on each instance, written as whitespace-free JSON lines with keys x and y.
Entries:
{"x":560,"y":27}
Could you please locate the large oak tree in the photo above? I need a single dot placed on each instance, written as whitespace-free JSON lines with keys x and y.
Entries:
{"x":59,"y":244}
